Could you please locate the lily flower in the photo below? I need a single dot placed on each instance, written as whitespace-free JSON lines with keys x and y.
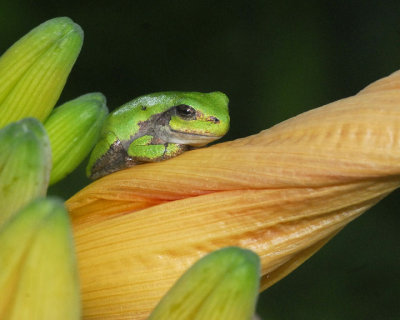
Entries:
{"x":282,"y":193}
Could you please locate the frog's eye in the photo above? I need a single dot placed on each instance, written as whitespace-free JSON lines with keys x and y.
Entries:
{"x":186,"y":112}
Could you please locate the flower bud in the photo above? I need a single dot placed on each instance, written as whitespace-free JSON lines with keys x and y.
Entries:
{"x":283,"y":193}
{"x":38,"y":278}
{"x":73,"y":129}
{"x":34,"y":70}
{"x":25,"y":162}
{"x":222,"y":285}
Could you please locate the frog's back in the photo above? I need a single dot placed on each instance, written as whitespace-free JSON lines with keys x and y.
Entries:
{"x":124,"y":121}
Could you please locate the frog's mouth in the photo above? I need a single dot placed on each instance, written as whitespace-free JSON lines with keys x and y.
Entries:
{"x":191,"y":139}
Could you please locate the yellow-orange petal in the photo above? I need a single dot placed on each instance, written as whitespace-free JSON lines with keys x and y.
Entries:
{"x":281,"y":193}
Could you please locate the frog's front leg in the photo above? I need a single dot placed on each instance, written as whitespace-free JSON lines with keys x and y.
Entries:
{"x":107,"y":156}
{"x":144,"y":149}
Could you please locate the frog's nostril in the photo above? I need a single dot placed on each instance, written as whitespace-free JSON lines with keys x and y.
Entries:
{"x":213,"y":119}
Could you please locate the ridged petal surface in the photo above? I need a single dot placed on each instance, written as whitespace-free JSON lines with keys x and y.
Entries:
{"x":282,"y":193}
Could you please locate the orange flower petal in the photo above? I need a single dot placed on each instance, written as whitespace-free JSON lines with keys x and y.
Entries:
{"x":281,"y":193}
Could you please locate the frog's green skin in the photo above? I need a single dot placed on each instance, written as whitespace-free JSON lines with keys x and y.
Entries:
{"x":157,"y":127}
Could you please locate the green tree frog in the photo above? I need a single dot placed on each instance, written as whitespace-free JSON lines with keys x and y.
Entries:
{"x":157,"y":127}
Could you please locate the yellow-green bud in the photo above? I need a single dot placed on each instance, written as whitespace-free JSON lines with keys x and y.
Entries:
{"x":222,"y":285}
{"x":73,"y":129}
{"x":34,"y":70}
{"x":25,"y":163}
{"x":38,"y":278}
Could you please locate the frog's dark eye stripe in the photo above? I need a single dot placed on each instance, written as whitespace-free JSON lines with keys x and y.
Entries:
{"x":186,"y":112}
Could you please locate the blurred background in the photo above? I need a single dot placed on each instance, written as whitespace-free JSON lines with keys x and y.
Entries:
{"x":274,"y":59}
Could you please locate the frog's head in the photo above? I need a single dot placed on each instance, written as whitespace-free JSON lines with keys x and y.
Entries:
{"x":198,"y":118}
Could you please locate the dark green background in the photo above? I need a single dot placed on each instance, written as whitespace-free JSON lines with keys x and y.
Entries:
{"x":274,"y":60}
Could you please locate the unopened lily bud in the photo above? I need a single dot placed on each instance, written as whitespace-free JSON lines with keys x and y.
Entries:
{"x":38,"y":278}
{"x":25,"y":163}
{"x":222,"y":285}
{"x":34,"y":70}
{"x":73,"y":129}
{"x":283,"y":193}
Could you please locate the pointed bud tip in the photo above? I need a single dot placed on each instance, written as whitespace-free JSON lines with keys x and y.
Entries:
{"x":235,"y":257}
{"x":222,"y":285}
{"x":62,"y":25}
{"x":96,"y":98}
{"x":242,"y":264}
{"x":31,"y":125}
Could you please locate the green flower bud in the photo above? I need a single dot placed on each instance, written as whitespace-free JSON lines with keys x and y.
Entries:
{"x":25,"y":163}
{"x":34,"y":70}
{"x":222,"y":285}
{"x":38,"y":278}
{"x":73,"y":129}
